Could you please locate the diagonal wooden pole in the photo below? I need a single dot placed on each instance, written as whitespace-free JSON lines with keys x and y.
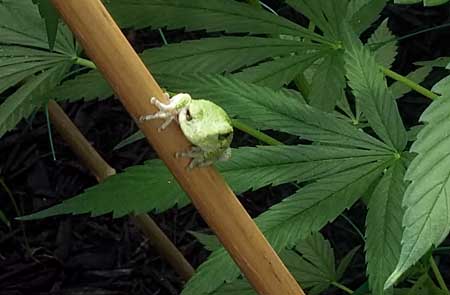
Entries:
{"x":120,"y":65}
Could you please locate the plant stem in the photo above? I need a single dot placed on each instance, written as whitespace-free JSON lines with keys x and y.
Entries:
{"x":354,"y":227}
{"x":438,"y":275}
{"x":255,"y":133}
{"x":50,"y":135}
{"x":411,"y":84}
{"x":85,"y":63}
{"x":342,"y":287}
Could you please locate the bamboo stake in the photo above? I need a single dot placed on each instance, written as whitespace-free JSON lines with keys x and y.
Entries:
{"x":130,"y":79}
{"x":102,"y":170}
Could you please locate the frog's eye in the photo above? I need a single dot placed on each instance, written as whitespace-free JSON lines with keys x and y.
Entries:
{"x":224,"y":136}
{"x":188,"y":115}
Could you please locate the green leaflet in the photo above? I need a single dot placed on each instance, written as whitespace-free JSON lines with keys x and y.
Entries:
{"x":370,"y":88}
{"x":276,"y":165}
{"x":327,"y":15}
{"x":51,"y":17}
{"x":279,"y":72}
{"x":362,"y":13}
{"x":386,"y":53}
{"x":136,"y":136}
{"x":219,"y":55}
{"x":87,"y":86}
{"x":330,"y":73}
{"x":151,"y":187}
{"x":425,"y":2}
{"x":209,"y":241}
{"x":293,"y":219}
{"x":384,"y":227}
{"x":443,"y":86}
{"x":139,"y":189}
{"x":21,"y":24}
{"x":267,"y":109}
{"x":426,"y":221}
{"x":312,"y":264}
{"x":315,"y":269}
{"x":23,"y":43}
{"x":18,"y":63}
{"x":29,"y":97}
{"x":211,"y":15}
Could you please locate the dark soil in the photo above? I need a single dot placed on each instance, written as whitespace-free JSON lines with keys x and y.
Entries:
{"x":83,"y":255}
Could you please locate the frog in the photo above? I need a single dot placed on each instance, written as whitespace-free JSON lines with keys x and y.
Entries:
{"x":205,"y":124}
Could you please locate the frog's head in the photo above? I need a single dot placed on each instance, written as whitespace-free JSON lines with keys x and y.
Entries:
{"x":207,"y":126}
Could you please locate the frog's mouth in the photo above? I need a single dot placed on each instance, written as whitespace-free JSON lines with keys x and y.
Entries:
{"x":225,"y":136}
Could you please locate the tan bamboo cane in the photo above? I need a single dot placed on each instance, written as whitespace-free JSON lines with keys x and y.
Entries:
{"x":120,"y":65}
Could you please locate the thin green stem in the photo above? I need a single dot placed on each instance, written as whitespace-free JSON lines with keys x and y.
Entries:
{"x":50,"y":135}
{"x":442,"y":249}
{"x":411,"y":84}
{"x":255,"y":133}
{"x":438,"y":275}
{"x":163,"y":37}
{"x":342,"y":287}
{"x":268,"y":8}
{"x":354,"y":226}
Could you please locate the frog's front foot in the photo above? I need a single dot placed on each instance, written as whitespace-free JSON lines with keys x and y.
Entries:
{"x":166,"y":111}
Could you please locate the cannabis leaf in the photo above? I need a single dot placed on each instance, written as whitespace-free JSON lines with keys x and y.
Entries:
{"x":386,"y":52}
{"x":384,"y":227}
{"x":24,"y":55}
{"x":327,"y":15}
{"x":370,"y":88}
{"x":211,"y":15}
{"x":219,"y":55}
{"x":29,"y":97}
{"x":426,"y":221}
{"x":293,"y":219}
{"x":264,"y":165}
{"x":276,"y":165}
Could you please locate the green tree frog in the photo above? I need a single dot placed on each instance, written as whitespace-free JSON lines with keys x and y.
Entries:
{"x":205,"y":124}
